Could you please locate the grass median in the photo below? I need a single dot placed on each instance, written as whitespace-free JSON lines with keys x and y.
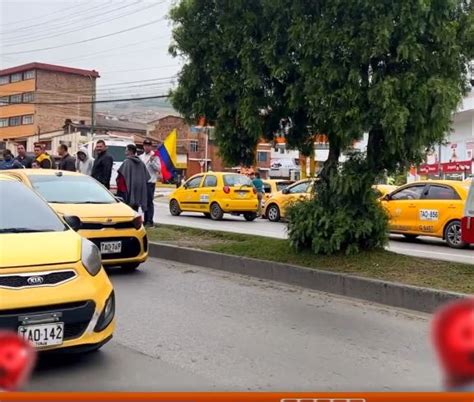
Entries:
{"x":381,"y":264}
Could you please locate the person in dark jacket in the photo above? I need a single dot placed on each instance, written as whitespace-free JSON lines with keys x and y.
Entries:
{"x":67,"y":161}
{"x":9,"y":162}
{"x":132,"y":180}
{"x":42,"y":159}
{"x":23,"y":158}
{"x":103,"y":163}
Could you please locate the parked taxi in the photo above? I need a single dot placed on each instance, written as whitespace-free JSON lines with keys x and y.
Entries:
{"x":381,"y":190}
{"x":428,"y":208}
{"x":114,"y":227}
{"x":273,"y":186}
{"x":53,"y":289}
{"x":275,"y":207}
{"x":214,"y":194}
{"x":468,"y":218}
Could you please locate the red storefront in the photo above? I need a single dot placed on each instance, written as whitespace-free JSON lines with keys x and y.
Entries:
{"x":446,"y":170}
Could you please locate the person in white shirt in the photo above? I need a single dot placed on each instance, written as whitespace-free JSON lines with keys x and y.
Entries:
{"x":153,"y":165}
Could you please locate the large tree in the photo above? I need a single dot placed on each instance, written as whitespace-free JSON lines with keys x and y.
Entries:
{"x":393,"y":69}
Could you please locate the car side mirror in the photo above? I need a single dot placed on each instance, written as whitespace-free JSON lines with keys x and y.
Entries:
{"x":73,"y":221}
{"x":285,"y":191}
{"x":119,"y":199}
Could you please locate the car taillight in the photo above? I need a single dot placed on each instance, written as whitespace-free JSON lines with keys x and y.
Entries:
{"x":226,"y":189}
{"x":138,"y":222}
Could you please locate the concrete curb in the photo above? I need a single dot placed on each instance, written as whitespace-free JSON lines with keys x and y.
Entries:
{"x":388,"y":293}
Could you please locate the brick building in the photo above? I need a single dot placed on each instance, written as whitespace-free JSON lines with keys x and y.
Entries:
{"x":26,"y":90}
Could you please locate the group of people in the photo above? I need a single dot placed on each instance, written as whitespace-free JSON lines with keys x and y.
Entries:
{"x":136,"y":177}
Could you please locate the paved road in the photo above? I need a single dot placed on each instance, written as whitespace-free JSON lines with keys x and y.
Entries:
{"x":424,"y":247}
{"x":182,"y":327}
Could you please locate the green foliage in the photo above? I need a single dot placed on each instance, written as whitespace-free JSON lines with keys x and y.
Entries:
{"x":336,"y":219}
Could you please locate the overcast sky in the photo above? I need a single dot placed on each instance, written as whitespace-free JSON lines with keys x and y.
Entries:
{"x":139,"y":54}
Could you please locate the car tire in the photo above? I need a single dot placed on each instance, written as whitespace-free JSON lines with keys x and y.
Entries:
{"x":250,"y":216}
{"x":411,"y":237}
{"x":216,"y":212}
{"x":207,"y":215}
{"x":273,"y":213}
{"x":132,"y":267}
{"x":452,"y":235}
{"x":175,"y":210}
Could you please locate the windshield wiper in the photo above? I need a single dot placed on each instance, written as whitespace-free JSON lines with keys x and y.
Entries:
{"x":24,"y":230}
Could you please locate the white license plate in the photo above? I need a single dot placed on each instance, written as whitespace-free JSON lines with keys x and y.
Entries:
{"x":43,"y":335}
{"x":110,"y":247}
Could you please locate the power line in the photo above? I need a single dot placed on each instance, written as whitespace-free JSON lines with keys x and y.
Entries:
{"x":86,"y":11}
{"x":139,"y":69}
{"x":44,"y":15}
{"x":89,"y":25}
{"x":99,"y":101}
{"x":87,"y":40}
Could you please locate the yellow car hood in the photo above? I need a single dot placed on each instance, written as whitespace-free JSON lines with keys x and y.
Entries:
{"x":33,"y":249}
{"x":95,"y":211}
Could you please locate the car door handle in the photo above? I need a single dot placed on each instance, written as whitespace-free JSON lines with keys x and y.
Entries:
{"x":195,"y":191}
{"x":411,"y":206}
{"x":213,"y":191}
{"x":452,"y":206}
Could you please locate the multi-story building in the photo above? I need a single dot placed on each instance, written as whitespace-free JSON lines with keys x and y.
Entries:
{"x":37,"y":98}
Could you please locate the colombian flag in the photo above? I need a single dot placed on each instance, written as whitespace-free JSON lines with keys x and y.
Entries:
{"x":167,"y":154}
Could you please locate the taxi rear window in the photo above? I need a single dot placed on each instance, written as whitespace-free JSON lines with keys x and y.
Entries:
{"x":236,"y":180}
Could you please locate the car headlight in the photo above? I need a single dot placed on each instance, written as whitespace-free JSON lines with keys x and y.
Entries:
{"x":137,"y":221}
{"x":90,"y":257}
{"x":107,"y":314}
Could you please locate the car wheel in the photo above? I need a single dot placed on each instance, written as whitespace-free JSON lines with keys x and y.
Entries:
{"x":410,"y":237}
{"x":273,"y":213}
{"x":175,"y":210}
{"x":130,"y":267}
{"x":207,"y":215}
{"x":250,"y":216}
{"x":216,"y":212}
{"x":452,"y":235}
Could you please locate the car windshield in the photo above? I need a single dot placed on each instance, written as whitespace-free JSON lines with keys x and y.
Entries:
{"x":283,"y":184}
{"x":67,"y":189}
{"x":22,"y":211}
{"x":236,"y":180}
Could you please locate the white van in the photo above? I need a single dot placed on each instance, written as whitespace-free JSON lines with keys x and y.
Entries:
{"x":115,"y":148}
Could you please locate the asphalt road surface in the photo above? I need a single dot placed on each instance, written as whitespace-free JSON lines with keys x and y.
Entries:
{"x":426,"y":247}
{"x":186,"y":328}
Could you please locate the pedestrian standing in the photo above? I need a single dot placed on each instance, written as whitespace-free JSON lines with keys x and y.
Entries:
{"x":9,"y":162}
{"x":132,"y":180}
{"x":67,"y":161}
{"x":258,"y":184}
{"x":23,"y":158}
{"x":103,"y":163}
{"x":84,"y":163}
{"x":153,"y":165}
{"x":42,"y":158}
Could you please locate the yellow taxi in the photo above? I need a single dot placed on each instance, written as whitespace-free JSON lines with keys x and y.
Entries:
{"x":214,"y":194}
{"x":275,"y":207}
{"x":53,"y":289}
{"x":428,"y":208}
{"x":114,"y":227}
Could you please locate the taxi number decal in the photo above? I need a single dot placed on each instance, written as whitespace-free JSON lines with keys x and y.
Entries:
{"x":204,"y":198}
{"x":429,"y":214}
{"x":424,"y":228}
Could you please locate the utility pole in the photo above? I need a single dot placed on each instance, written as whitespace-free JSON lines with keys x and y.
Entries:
{"x":439,"y":161}
{"x":206,"y":148}
{"x":93,"y":82}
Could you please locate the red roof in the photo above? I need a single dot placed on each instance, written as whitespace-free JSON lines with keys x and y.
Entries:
{"x":49,"y":67}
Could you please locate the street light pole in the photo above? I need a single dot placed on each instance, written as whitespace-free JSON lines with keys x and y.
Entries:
{"x":206,"y":148}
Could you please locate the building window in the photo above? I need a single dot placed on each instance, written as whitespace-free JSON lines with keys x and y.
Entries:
{"x":28,"y":119}
{"x":16,"y":77}
{"x":262,"y":156}
{"x":28,"y":75}
{"x":3,"y":122}
{"x":15,"y":98}
{"x":4,"y":79}
{"x":194,"y":146}
{"x":28,"y":97}
{"x":4,"y":100}
{"x":14,"y":121}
